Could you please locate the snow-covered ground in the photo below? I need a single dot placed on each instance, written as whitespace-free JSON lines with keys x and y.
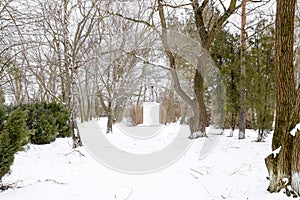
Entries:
{"x":233,"y":170}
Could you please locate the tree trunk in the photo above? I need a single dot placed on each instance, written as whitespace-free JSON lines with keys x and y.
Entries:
{"x":242,"y":125}
{"x":287,"y":113}
{"x":110,"y":118}
{"x":199,"y":92}
{"x":284,"y":68}
{"x":66,"y":82}
{"x":194,"y":121}
{"x":295,"y":171}
{"x":207,"y":36}
{"x":184,"y":110}
{"x":260,"y":135}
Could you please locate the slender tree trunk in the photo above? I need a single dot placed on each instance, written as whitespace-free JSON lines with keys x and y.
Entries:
{"x":232,"y":124}
{"x":109,"y":118}
{"x":69,"y":87}
{"x":67,"y":57}
{"x":199,"y":92}
{"x":242,"y":125}
{"x":194,"y":121}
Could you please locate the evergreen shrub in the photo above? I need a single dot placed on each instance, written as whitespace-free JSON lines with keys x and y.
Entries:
{"x":12,"y":137}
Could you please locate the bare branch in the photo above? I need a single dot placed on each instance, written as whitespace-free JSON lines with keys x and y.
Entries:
{"x":131,"y":19}
{"x":222,"y":5}
{"x":176,"y":6}
{"x":145,"y":61}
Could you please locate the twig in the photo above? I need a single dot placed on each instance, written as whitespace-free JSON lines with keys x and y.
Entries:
{"x":147,"y":61}
{"x":196,"y":177}
{"x":73,"y":151}
{"x":129,"y":194}
{"x":131,"y":19}
{"x":13,"y":185}
{"x":52,"y":180}
{"x":196,"y":171}
{"x":40,"y":181}
{"x":4,"y":187}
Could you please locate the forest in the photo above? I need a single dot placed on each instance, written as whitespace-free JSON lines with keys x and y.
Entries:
{"x":232,"y":66}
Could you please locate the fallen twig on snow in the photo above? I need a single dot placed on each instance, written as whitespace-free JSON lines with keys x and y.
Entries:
{"x":196,"y":171}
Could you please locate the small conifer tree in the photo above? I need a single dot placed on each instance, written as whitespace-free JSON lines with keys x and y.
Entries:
{"x":11,"y":139}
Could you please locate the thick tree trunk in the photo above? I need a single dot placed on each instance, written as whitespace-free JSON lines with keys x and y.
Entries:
{"x":284,"y":68}
{"x":280,"y":166}
{"x":271,"y":164}
{"x":295,"y":169}
{"x":287,"y":114}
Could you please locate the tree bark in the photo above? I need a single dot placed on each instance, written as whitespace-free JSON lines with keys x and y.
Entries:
{"x":242,"y":125}
{"x":287,"y":113}
{"x":199,"y":93}
{"x":284,"y":68}
{"x":295,"y":168}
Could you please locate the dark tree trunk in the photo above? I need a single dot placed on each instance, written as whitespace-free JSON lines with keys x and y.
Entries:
{"x":284,"y":68}
{"x":287,"y":113}
{"x":199,"y":92}
{"x":109,"y":123}
{"x":110,"y":118}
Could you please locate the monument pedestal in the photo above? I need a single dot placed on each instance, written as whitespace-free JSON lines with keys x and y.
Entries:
{"x":150,"y":114}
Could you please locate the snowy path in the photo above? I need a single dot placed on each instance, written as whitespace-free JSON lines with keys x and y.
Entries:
{"x":233,"y":170}
{"x":120,"y":152}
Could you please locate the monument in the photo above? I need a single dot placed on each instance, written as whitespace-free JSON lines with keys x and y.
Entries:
{"x":151,"y":112}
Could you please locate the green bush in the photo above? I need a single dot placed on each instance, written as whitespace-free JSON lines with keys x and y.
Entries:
{"x":45,"y":131}
{"x":61,"y":115}
{"x":12,"y":137}
{"x":47,"y":121}
{"x":42,"y":122}
{"x":4,"y":112}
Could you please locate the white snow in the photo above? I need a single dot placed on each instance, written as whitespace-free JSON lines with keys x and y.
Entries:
{"x":234,"y":169}
{"x":276,"y":152}
{"x":293,"y":132}
{"x":296,"y":181}
{"x":285,"y":181}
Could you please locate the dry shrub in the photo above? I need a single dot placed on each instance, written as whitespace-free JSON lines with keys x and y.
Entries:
{"x":136,"y":115}
{"x":170,"y":111}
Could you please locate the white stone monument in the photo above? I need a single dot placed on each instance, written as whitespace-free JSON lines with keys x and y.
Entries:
{"x":150,"y":114}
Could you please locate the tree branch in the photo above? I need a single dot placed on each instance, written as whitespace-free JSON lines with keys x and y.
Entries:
{"x":131,"y":19}
{"x":176,"y":6}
